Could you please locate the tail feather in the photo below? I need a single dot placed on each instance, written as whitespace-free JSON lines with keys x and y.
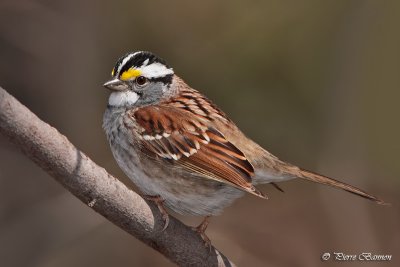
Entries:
{"x":311,"y":176}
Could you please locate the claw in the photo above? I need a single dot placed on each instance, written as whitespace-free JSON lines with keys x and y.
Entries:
{"x":277,"y":187}
{"x":201,"y":229}
{"x":160,"y":205}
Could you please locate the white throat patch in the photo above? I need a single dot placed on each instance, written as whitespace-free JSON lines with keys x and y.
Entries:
{"x":124,"y":98}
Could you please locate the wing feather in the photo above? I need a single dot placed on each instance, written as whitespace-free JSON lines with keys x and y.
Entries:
{"x":194,"y":144}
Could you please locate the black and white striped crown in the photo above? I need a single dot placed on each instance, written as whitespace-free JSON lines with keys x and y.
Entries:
{"x":141,"y":63}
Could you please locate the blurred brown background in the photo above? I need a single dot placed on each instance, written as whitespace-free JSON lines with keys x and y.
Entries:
{"x":315,"y":82}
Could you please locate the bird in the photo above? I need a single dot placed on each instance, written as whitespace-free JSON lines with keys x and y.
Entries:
{"x":181,"y":150}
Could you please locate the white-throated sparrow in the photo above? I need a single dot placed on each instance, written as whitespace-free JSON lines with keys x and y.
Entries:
{"x":180,"y":149}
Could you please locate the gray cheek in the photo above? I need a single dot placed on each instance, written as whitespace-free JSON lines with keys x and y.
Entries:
{"x":151,"y":94}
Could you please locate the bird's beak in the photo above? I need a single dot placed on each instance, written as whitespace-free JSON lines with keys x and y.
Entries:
{"x":116,"y":85}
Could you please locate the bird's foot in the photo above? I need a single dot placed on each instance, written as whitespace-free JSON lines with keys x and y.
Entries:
{"x":160,"y":204}
{"x":201,"y":229}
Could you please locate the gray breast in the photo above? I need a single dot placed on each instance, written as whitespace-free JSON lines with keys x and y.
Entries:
{"x":183,"y":191}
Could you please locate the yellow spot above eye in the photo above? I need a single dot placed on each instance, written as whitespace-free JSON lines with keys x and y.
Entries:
{"x":112,"y":72}
{"x":131,"y":73}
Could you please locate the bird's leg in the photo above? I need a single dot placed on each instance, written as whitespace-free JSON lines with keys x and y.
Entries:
{"x":160,"y":204}
{"x":201,"y":229}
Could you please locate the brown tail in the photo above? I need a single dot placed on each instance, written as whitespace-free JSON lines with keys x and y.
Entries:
{"x":311,"y":176}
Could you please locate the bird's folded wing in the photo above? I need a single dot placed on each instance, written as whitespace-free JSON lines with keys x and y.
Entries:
{"x":193,"y":143}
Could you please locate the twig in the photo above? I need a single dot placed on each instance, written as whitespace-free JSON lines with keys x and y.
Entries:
{"x":102,"y":192}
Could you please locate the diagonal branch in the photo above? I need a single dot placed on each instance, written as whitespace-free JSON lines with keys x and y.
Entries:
{"x":89,"y":182}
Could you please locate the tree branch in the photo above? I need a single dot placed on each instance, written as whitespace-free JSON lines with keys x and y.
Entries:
{"x":101,"y":191}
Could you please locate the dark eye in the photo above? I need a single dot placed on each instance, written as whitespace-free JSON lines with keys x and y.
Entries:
{"x":141,"y":80}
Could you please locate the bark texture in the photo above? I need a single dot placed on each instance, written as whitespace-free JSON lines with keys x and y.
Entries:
{"x":55,"y":154}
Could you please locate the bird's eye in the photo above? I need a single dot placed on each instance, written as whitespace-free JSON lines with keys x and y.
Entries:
{"x":141,"y":81}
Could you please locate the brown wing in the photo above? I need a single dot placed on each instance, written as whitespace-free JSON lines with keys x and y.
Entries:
{"x":175,"y":134}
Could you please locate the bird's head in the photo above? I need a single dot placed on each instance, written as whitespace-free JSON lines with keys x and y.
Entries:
{"x":139,"y":78}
